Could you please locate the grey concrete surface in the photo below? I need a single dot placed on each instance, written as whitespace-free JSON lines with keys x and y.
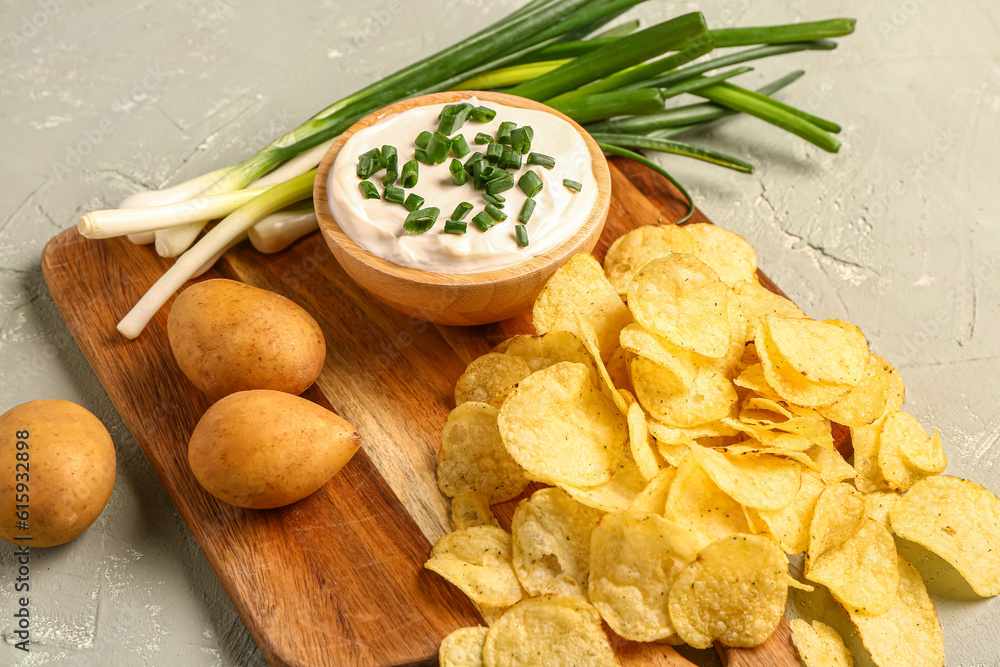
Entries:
{"x":899,"y":233}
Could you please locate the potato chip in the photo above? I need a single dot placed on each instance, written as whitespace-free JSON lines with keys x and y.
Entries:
{"x":579,"y":288}
{"x":490,"y":378}
{"x":561,"y":429}
{"x":865,"y":440}
{"x":819,"y":645}
{"x":830,"y":351}
{"x":738,"y":332}
{"x":614,"y":495}
{"x":653,"y":498}
{"x":769,"y":437}
{"x":463,"y":648}
{"x":756,"y":447}
{"x":632,"y":251}
{"x":960,"y":522}
{"x":734,"y":593}
{"x":671,"y":452}
{"x":789,"y":526}
{"x":880,"y":504}
{"x":661,"y":394}
{"x":687,"y":436}
{"x":831,"y":465}
{"x":645,"y":344}
{"x":752,"y":378}
{"x":789,"y":382}
{"x":477,"y":560}
{"x":697,"y":504}
{"x":860,"y":573}
{"x":919,"y":451}
{"x":470,"y":508}
{"x":867,"y":401}
{"x":634,"y":559}
{"x":546,"y":631}
{"x":547,"y":349}
{"x":839,"y":514}
{"x":618,"y":369}
{"x":551,"y":540}
{"x":909,"y":632}
{"x":642,"y":443}
{"x":473,"y":457}
{"x":726,"y":252}
{"x":760,"y":481}
{"x":897,"y":390}
{"x":759,"y":302}
{"x":607,"y":384}
{"x":680,"y":298}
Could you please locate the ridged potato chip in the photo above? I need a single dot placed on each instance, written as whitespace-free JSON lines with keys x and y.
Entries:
{"x":819,"y":645}
{"x":473,"y":457}
{"x":548,"y":631}
{"x":680,"y":298}
{"x":759,"y":302}
{"x":579,"y":289}
{"x":561,"y":429}
{"x":789,"y":526}
{"x":824,"y":351}
{"x":551,"y":540}
{"x":726,"y":252}
{"x":909,"y":632}
{"x":616,"y":494}
{"x":734,"y":593}
{"x":642,"y":444}
{"x":760,"y":481}
{"x":470,"y":508}
{"x":653,"y":498}
{"x":490,"y":378}
{"x":632,"y":251}
{"x":709,"y":398}
{"x":960,"y":522}
{"x":860,"y":573}
{"x":697,"y":504}
{"x":463,"y":648}
{"x":634,"y":559}
{"x":867,"y":401}
{"x":477,"y":560}
{"x":546,"y":349}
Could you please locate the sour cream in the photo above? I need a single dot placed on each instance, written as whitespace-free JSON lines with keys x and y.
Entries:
{"x":377,"y":225}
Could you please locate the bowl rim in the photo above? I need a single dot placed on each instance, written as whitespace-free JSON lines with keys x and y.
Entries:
{"x":335,"y":235}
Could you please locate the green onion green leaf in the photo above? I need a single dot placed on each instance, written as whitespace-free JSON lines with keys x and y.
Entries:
{"x":530,"y":183}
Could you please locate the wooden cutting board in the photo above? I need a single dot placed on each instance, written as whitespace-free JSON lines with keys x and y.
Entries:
{"x":337,"y":578}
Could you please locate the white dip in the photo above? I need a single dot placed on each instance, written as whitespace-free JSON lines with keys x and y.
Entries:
{"x":377,"y":225}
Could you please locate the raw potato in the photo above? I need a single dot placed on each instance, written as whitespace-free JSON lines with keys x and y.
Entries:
{"x":70,"y":463}
{"x":227,"y":337}
{"x":266,"y":448}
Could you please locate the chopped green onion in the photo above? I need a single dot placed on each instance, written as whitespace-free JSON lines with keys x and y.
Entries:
{"x":438,"y":147}
{"x":483,"y":114}
{"x":455,"y":227}
{"x":522,"y":235}
{"x":494,"y":152}
{"x":421,"y":156}
{"x":390,"y":157}
{"x":423,"y":139}
{"x":495,"y":212}
{"x":541,"y":160}
{"x":368,"y":190}
{"x":459,"y":146}
{"x":510,"y":159}
{"x":505,"y":181}
{"x":483,"y":221}
{"x":520,"y":138}
{"x":530,"y":183}
{"x":370,"y":163}
{"x":483,"y":138}
{"x":503,"y":133}
{"x":389,"y":178}
{"x":413,"y":201}
{"x":411,"y":172}
{"x":461,"y":211}
{"x":573,"y":185}
{"x":526,"y":210}
{"x":458,"y":175}
{"x":421,"y":219}
{"x":499,"y":200}
{"x":476,"y":157}
{"x":453,"y":117}
{"x":394,"y":195}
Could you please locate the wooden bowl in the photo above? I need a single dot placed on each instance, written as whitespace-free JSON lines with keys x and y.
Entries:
{"x":468,"y":298}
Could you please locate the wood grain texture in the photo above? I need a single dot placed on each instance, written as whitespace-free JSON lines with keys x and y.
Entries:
{"x":337,"y":578}
{"x":448,"y":298}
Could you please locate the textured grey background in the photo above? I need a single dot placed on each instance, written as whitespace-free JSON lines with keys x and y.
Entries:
{"x":898,"y":234}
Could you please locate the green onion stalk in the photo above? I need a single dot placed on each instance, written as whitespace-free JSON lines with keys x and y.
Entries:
{"x":561,"y":52}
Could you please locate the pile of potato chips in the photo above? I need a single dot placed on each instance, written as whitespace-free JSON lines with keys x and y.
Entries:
{"x":680,"y":415}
